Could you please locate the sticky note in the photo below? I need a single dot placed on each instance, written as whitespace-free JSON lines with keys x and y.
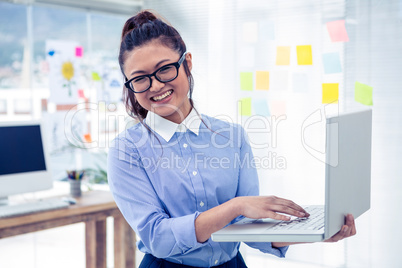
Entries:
{"x":266,"y":30}
{"x":95,"y":76}
{"x":261,"y":107}
{"x":247,"y":57}
{"x":332,"y":63}
{"x":250,"y":32}
{"x":279,"y":80}
{"x":300,"y":82}
{"x":79,"y":51}
{"x":278,"y":108}
{"x":245,"y":106}
{"x":282,"y":55}
{"x":337,"y":31}
{"x":330,"y":92}
{"x":363,"y":94}
{"x":304,"y":55}
{"x":81,"y":93}
{"x":262,"y":80}
{"x":246,"y":81}
{"x":87,"y":137}
{"x":51,"y":52}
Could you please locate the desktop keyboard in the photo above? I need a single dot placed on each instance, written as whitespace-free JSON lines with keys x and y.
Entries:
{"x":314,"y":222}
{"x":32,"y":207}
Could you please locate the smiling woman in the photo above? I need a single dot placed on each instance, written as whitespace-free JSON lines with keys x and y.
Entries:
{"x":161,"y":46}
{"x":166,"y":93}
{"x":175,"y":206}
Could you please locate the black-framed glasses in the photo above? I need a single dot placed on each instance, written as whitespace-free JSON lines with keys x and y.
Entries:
{"x":164,"y":74}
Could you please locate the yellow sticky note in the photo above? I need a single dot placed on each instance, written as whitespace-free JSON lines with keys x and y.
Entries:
{"x":330,"y":92}
{"x":245,"y":106}
{"x":363,"y":94}
{"x":282,"y":55}
{"x":246,"y":81}
{"x":262,"y":80}
{"x":304,"y":55}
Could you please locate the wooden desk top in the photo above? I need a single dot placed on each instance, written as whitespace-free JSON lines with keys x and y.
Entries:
{"x":90,"y":202}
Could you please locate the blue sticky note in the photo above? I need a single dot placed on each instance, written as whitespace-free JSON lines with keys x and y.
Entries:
{"x":332,"y":63}
{"x":115,"y":83}
{"x":51,"y":53}
{"x":261,"y":107}
{"x":267,"y":30}
{"x":300,"y":82}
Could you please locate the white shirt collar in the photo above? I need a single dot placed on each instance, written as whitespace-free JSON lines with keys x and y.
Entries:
{"x":166,"y":128}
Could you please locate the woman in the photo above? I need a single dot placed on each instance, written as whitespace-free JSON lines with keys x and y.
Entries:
{"x":178,"y":176}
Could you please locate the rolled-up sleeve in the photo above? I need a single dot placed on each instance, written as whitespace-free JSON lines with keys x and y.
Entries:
{"x":136,"y":198}
{"x":266,"y":247}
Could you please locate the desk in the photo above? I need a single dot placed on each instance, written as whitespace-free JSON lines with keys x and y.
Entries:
{"x":92,"y":208}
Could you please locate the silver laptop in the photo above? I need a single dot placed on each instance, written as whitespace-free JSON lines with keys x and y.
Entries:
{"x":347,"y":189}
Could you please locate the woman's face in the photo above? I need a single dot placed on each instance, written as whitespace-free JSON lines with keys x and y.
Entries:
{"x":169,"y":99}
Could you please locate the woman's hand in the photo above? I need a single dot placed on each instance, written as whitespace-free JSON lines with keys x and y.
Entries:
{"x":347,"y":230}
{"x":258,"y":207}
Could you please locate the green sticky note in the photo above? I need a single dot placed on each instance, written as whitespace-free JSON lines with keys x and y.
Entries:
{"x":246,"y":81}
{"x":245,"y":106}
{"x":363,"y":94}
{"x":95,"y":76}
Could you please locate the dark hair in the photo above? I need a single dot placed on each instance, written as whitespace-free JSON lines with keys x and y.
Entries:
{"x":139,"y":30}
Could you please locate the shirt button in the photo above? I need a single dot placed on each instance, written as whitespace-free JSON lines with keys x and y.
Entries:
{"x":194,"y":173}
{"x":216,"y":261}
{"x":185,"y":145}
{"x":201,"y":204}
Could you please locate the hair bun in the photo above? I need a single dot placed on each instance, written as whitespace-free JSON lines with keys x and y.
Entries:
{"x":137,"y":21}
{"x":144,"y":17}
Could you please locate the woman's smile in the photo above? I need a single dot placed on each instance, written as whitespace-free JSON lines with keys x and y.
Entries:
{"x":164,"y":97}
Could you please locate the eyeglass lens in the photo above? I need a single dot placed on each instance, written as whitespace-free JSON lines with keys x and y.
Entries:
{"x":165,"y":74}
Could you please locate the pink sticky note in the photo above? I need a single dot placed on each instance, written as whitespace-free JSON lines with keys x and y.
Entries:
{"x":81,"y":93}
{"x":337,"y":31}
{"x":79,"y":51}
{"x":278,"y":108}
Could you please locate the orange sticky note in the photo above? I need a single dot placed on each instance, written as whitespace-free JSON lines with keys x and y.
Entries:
{"x":283,"y":56}
{"x":262,"y":80}
{"x":304,"y":55}
{"x":330,"y":92}
{"x":87,"y":137}
{"x":337,"y":31}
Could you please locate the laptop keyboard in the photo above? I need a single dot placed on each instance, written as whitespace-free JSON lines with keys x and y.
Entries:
{"x":314,"y":222}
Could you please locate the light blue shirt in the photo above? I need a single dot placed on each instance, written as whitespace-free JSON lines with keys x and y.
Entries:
{"x":161,"y":182}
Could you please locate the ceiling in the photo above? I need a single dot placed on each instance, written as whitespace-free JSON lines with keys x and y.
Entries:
{"x":109,"y":6}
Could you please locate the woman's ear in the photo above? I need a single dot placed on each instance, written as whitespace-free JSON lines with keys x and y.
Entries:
{"x":189,"y":60}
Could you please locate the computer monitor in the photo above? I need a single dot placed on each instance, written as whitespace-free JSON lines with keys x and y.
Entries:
{"x":24,"y":165}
